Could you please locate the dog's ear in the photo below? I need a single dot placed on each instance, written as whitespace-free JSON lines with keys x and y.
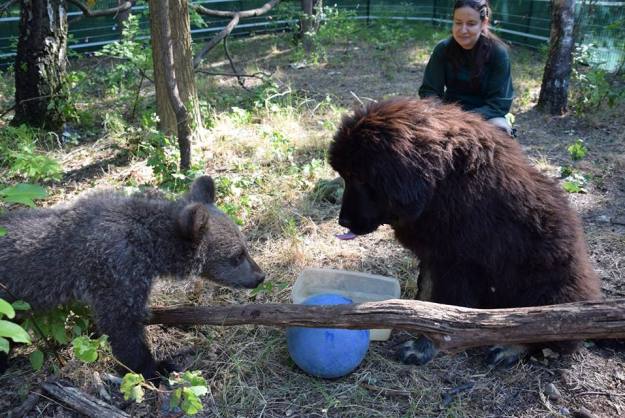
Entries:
{"x":407,"y":190}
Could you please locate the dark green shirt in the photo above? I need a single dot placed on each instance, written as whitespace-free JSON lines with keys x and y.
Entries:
{"x":491,"y":98}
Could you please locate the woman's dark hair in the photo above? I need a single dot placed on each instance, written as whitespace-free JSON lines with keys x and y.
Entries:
{"x":480,"y":54}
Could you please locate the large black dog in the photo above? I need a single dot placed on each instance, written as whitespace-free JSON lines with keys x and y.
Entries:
{"x":490,"y":231}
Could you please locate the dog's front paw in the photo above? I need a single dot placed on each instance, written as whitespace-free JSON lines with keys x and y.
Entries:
{"x":419,"y":351}
{"x":506,"y":356}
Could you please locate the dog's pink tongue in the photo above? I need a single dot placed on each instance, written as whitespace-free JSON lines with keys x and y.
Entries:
{"x":346,"y":236}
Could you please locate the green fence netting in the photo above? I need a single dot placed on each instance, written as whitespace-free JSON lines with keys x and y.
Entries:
{"x":525,"y":22}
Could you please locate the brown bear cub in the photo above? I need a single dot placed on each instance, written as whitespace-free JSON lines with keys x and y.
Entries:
{"x":489,"y":229}
{"x":106,"y":249}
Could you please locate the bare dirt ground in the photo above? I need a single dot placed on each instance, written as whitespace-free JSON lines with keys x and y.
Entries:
{"x":248,"y":368}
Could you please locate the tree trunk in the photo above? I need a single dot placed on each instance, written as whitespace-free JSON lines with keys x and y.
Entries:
{"x":180,"y":30}
{"x":452,"y":328}
{"x":309,"y":22}
{"x":40,"y":64}
{"x":555,"y":85}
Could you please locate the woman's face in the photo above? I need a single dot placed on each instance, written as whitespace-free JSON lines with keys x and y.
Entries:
{"x":467,"y":27}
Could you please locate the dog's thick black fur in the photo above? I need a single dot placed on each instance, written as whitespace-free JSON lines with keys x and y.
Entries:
{"x":490,"y":231}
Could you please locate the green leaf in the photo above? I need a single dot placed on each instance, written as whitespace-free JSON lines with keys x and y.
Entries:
{"x":6,"y":309}
{"x":191,"y":404}
{"x":3,"y":231}
{"x":572,"y":187}
{"x":36,"y":359}
{"x":577,"y":150}
{"x":58,"y":331}
{"x":131,"y":387}
{"x":85,"y":349}
{"x":194,"y":378}
{"x":174,"y":400}
{"x":199,"y":390}
{"x":4,"y":345}
{"x":20,"y":305}
{"x":13,"y":331}
{"x":24,"y":194}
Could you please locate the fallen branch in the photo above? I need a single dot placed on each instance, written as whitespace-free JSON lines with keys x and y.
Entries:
{"x":452,"y":328}
{"x":81,"y":402}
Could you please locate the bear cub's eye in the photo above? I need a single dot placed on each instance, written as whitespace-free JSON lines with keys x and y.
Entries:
{"x":238,"y":258}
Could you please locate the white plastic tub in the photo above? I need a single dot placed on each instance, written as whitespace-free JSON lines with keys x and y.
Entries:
{"x":359,"y":287}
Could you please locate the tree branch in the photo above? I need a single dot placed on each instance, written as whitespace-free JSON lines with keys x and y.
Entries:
{"x":215,"y":40}
{"x":452,"y":328}
{"x":226,"y":13}
{"x":104,"y":12}
{"x":81,"y":402}
{"x":234,"y":69}
{"x":6,"y":6}
{"x":236,"y":16}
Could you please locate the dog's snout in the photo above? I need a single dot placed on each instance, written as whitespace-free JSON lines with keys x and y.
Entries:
{"x":345,"y":222}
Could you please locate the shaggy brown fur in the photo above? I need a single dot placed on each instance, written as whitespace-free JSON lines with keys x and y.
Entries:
{"x":489,"y":229}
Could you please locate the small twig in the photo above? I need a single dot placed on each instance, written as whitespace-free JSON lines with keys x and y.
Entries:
{"x":144,"y":75}
{"x":239,"y":79}
{"x":134,"y":105}
{"x":599,"y":393}
{"x":385,"y":391}
{"x":360,"y":101}
{"x":260,"y":75}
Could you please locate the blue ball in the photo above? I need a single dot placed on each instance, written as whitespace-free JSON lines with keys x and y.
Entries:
{"x":327,"y":352}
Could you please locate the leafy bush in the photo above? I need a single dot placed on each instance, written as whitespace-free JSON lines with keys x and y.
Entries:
{"x":163,"y":156}
{"x":594,"y":86}
{"x":19,"y":154}
{"x":9,"y":329}
{"x":133,"y":56}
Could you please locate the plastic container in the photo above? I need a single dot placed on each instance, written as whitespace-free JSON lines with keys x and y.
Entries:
{"x":359,"y":287}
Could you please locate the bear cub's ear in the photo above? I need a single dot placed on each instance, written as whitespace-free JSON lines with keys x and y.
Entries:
{"x":193,"y":221}
{"x":202,"y":190}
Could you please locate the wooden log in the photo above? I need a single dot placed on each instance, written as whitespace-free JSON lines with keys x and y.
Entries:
{"x":452,"y":328}
{"x":81,"y":402}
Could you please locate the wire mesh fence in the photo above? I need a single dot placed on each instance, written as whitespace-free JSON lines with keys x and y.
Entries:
{"x":524,"y":22}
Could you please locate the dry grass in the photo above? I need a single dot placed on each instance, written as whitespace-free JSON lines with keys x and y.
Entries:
{"x":272,"y":158}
